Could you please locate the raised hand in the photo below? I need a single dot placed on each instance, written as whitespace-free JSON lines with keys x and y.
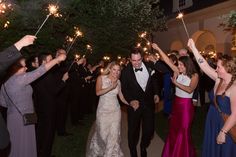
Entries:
{"x":80,"y":61}
{"x":155,"y":46}
{"x":61,"y":57}
{"x":191,"y":44}
{"x":114,"y":84}
{"x":25,"y":41}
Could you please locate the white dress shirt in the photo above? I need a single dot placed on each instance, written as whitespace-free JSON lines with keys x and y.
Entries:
{"x":142,"y":76}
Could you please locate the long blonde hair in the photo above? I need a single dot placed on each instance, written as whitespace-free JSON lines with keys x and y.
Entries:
{"x":108,"y":67}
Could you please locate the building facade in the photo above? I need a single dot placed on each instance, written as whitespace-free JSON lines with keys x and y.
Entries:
{"x":202,"y":19}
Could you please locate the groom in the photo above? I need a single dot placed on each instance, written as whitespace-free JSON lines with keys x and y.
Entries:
{"x":140,"y":91}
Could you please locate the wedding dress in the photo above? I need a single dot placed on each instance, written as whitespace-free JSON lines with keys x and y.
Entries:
{"x":105,"y":141}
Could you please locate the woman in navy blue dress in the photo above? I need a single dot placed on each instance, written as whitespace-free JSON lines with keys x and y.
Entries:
{"x":217,"y":142}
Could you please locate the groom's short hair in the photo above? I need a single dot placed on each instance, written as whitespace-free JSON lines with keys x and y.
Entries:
{"x":136,"y":50}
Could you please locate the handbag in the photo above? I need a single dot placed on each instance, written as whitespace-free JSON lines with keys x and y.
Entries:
{"x":232,"y":131}
{"x":28,"y":118}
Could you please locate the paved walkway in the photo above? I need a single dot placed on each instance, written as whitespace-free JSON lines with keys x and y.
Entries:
{"x":154,"y":150}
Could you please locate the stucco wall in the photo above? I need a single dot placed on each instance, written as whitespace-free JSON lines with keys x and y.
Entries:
{"x":207,"y":19}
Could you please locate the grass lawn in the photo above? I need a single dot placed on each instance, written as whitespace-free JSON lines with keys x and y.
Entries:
{"x":74,"y":146}
{"x":197,"y":127}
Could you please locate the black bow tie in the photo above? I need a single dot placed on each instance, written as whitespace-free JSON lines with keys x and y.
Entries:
{"x":138,"y":69}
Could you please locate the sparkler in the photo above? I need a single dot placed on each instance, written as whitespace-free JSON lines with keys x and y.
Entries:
{"x":143,"y":35}
{"x":77,"y":34}
{"x":52,"y":11}
{"x":181,"y":16}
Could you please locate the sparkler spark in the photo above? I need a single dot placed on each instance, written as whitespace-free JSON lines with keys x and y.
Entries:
{"x":181,"y":16}
{"x":143,"y":36}
{"x":6,"y":25}
{"x":52,"y":11}
{"x":4,"y":6}
{"x":78,"y":33}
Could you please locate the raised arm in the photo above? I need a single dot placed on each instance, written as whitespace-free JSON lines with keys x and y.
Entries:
{"x":11,"y":54}
{"x":166,"y":58}
{"x":33,"y":75}
{"x":25,"y":41}
{"x":206,"y":68}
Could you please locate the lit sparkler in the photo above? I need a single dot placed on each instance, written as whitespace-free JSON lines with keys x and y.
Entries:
{"x":181,"y":16}
{"x":143,"y":36}
{"x":77,"y":34}
{"x":52,"y":11}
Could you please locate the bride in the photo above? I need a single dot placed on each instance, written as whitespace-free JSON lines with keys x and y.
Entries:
{"x":105,"y":141}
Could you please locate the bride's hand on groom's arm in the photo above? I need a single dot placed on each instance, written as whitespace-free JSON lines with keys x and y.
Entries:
{"x":134,"y":104}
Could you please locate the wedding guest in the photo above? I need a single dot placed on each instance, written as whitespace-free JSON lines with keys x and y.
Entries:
{"x":216,"y":141}
{"x":46,"y":89}
{"x":185,"y":79}
{"x":16,"y":95}
{"x":7,"y":57}
{"x":106,"y":139}
{"x":32,"y":63}
{"x":60,"y":71}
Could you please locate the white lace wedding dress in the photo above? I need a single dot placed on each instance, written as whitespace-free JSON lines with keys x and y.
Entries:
{"x":106,"y":139}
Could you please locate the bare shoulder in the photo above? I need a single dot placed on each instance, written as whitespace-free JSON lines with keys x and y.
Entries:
{"x":233,"y":87}
{"x":233,"y":90}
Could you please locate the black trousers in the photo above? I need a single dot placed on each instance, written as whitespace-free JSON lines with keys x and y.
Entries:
{"x":144,"y":117}
{"x":45,"y":133}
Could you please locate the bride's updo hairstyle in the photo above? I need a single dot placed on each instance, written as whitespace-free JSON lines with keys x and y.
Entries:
{"x":109,"y":66}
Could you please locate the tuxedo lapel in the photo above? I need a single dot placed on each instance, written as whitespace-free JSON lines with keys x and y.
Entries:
{"x":132,"y":74}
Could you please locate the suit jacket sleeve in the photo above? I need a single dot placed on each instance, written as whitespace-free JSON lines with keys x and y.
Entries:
{"x":7,"y":57}
{"x":125,"y":87}
{"x":157,"y":83}
{"x":4,"y":135}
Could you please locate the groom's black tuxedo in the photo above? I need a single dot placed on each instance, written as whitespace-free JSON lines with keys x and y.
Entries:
{"x":144,"y":114}
{"x":133,"y":91}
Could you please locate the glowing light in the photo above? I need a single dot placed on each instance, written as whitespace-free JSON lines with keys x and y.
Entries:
{"x":77,"y":34}
{"x":138,"y":44}
{"x":143,"y":36}
{"x":6,"y":25}
{"x":181,"y":16}
{"x":4,"y":6}
{"x":52,"y":11}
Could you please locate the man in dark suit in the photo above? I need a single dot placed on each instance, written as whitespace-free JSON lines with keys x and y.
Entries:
{"x":141,"y":92}
{"x":7,"y":57}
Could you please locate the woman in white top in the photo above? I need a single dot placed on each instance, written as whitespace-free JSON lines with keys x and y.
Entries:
{"x":178,"y":142}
